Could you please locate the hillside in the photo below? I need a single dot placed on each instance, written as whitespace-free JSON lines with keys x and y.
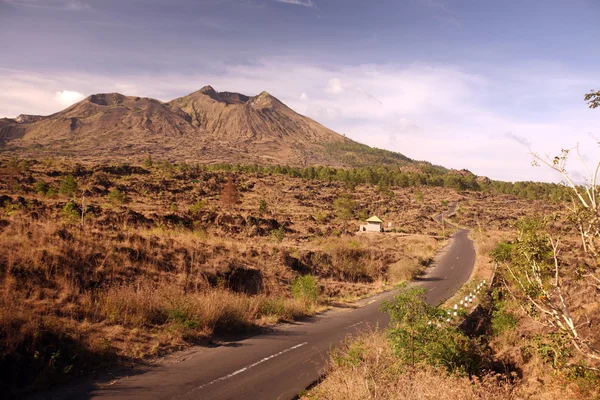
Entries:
{"x":205,"y":126}
{"x":162,"y":261}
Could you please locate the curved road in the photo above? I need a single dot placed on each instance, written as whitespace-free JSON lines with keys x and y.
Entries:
{"x":280,"y":364}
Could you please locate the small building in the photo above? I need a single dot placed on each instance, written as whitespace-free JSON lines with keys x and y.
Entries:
{"x":374,"y":224}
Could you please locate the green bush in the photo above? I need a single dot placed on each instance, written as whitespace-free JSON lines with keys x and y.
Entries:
{"x":503,"y":321}
{"x":321,"y":217}
{"x":197,"y":207}
{"x":51,"y":193}
{"x":41,"y":187}
{"x":68,"y":186}
{"x":278,"y":234}
{"x":116,"y":197}
{"x":306,"y":289}
{"x":70,"y":213}
{"x":420,"y":334}
{"x":502,"y":252}
{"x":363,"y":214}
{"x":344,"y":206}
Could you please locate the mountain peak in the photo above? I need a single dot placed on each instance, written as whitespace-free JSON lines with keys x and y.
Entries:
{"x":265,"y":100}
{"x":106,"y":99}
{"x":208,"y":90}
{"x":205,"y":125}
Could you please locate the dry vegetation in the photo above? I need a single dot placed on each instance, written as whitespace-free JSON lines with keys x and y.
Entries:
{"x":159,"y":261}
{"x":164,"y":257}
{"x":367,"y":368}
{"x":524,"y":355}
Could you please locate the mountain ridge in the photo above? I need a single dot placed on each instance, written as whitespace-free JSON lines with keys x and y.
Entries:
{"x":205,"y":126}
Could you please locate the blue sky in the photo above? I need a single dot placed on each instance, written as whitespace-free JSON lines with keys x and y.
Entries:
{"x":462,"y":83}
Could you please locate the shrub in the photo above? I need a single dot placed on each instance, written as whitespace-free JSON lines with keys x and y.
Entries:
{"x":68,"y":186}
{"x":148,"y":162}
{"x":305,"y":289}
{"x":70,"y":213}
{"x":502,"y":252}
{"x":278,"y":234}
{"x":503,"y":321}
{"x":282,"y":309}
{"x":262,"y":207}
{"x":116,"y":197}
{"x":41,"y":187}
{"x":344,"y":206}
{"x":321,"y":217}
{"x":197,"y":207}
{"x":363,"y":214}
{"x":421,"y":335}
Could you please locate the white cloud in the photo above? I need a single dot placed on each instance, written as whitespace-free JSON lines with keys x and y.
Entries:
{"x":305,"y":3}
{"x":334,"y":85}
{"x":68,"y":97}
{"x":303,"y":96}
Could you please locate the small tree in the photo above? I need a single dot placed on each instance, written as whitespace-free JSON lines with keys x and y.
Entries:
{"x":116,"y":197}
{"x":68,"y":186}
{"x":229,"y":195}
{"x":41,"y":187}
{"x":262,"y":207}
{"x":70,"y":213}
{"x":540,"y":280}
{"x":344,"y":206}
{"x":420,"y":334}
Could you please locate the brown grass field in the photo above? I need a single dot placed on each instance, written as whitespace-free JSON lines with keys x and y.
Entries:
{"x":161,"y":259}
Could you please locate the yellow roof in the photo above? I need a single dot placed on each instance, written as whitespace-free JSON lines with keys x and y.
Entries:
{"x":374,"y":219}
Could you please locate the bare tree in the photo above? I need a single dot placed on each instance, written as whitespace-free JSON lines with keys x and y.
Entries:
{"x":584,"y":198}
{"x":541,"y":284}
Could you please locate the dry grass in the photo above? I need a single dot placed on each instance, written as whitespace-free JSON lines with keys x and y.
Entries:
{"x":148,"y":276}
{"x":366,"y":368}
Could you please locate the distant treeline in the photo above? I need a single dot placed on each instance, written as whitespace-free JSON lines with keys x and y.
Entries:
{"x":392,"y":177}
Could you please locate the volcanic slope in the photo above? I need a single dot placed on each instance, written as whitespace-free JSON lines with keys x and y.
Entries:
{"x":205,"y":127}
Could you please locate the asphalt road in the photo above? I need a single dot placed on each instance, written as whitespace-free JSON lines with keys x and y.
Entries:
{"x":281,"y":363}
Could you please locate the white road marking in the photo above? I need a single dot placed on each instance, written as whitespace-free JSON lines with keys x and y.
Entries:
{"x":239,"y":371}
{"x":432,"y":288}
{"x":446,"y":277}
{"x":457,"y":257}
{"x":452,"y":266}
{"x":353,"y":325}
